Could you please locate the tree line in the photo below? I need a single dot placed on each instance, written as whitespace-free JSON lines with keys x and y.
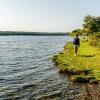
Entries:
{"x":33,"y":33}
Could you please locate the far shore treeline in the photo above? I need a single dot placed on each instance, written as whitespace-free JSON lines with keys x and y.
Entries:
{"x":33,"y":33}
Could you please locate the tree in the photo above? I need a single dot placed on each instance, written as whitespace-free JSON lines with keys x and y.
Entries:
{"x":91,"y":24}
{"x":77,"y":31}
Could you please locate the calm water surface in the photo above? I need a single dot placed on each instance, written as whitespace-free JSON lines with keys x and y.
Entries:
{"x":27,"y":72}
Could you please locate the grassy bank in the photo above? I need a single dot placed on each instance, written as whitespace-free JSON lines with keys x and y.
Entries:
{"x":83,"y":68}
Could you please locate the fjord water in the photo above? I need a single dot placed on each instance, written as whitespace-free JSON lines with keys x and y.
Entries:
{"x":27,"y":71}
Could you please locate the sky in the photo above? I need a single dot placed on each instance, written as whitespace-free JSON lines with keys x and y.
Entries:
{"x":45,"y":15}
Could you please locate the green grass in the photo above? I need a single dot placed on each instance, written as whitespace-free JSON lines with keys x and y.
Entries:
{"x":86,"y":63}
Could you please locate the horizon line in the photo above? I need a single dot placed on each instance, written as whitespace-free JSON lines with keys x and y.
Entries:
{"x":35,"y":31}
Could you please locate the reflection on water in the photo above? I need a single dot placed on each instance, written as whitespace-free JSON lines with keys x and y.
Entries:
{"x":26,"y":70}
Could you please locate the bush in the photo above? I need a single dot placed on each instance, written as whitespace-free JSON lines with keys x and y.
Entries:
{"x":93,"y":40}
{"x":84,"y":38}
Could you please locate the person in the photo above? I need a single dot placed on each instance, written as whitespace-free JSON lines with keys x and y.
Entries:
{"x":76,"y":43}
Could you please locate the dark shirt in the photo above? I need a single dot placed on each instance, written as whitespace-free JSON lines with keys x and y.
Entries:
{"x":76,"y":41}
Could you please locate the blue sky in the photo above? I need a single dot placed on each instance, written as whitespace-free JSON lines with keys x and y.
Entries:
{"x":45,"y":15}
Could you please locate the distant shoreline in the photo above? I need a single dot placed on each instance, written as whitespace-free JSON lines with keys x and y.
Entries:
{"x":6,"y":33}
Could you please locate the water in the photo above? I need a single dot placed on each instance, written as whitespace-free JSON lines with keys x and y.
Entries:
{"x":27,"y":72}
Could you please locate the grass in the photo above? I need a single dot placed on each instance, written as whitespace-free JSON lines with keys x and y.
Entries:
{"x":85,"y":67}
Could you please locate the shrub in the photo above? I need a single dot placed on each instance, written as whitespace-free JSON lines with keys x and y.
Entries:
{"x":84,"y":38}
{"x":93,"y":40}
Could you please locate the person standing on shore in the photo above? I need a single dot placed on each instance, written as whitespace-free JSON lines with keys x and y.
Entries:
{"x":76,"y":43}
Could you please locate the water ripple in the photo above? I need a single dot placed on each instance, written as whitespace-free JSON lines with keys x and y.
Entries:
{"x":26,"y":70}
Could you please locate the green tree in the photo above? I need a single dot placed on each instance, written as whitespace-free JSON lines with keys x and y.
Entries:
{"x":77,"y":31}
{"x":91,"y":24}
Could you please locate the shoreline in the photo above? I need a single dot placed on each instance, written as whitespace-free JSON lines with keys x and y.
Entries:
{"x":83,"y":69}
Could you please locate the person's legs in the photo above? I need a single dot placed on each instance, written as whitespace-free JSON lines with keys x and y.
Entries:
{"x":75,"y":50}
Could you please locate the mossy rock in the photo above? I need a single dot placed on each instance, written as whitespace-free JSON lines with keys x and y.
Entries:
{"x":93,"y":81}
{"x":84,"y":79}
{"x":55,"y":57}
{"x":87,"y":71}
{"x":79,"y":71}
{"x":79,"y":79}
{"x":61,"y":53}
{"x":63,"y":70}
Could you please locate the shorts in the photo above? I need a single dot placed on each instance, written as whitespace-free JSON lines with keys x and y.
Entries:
{"x":75,"y":46}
